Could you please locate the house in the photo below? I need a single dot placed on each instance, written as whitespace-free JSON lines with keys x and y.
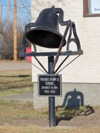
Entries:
{"x":81,"y":79}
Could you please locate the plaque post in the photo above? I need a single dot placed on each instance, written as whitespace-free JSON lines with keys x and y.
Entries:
{"x":51,"y":99}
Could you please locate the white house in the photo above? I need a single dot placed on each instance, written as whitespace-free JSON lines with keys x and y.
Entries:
{"x":81,"y":79}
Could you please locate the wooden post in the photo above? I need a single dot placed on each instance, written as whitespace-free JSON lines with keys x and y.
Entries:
{"x":8,"y":18}
{"x":15,"y":32}
{"x":1,"y":17}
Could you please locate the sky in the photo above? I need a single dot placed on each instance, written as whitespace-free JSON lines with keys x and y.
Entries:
{"x":23,"y":11}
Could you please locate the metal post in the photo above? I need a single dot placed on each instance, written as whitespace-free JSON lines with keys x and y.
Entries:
{"x":51,"y":99}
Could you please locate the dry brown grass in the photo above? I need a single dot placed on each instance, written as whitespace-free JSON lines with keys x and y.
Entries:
{"x":14,"y":110}
{"x":15,"y":82}
{"x":10,"y":61}
{"x":10,"y":73}
{"x":35,"y":129}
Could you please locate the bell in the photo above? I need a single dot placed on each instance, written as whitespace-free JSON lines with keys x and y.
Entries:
{"x":46,"y":34}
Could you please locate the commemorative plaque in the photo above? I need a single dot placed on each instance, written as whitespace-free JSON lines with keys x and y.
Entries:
{"x":49,"y":85}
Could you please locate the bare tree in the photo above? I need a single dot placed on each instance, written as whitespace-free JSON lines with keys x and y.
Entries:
{"x":6,"y":50}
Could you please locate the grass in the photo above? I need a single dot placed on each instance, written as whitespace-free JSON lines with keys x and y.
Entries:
{"x":17,"y":72}
{"x":12,"y":83}
{"x":15,"y":82}
{"x":15,"y":110}
{"x":11,"y":111}
{"x":35,"y":129}
{"x":9,"y":61}
{"x":69,"y":112}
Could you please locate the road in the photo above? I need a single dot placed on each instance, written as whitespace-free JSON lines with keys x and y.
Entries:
{"x":25,"y":97}
{"x":11,"y":66}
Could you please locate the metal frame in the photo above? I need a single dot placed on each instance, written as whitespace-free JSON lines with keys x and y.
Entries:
{"x":51,"y":53}
{"x":51,"y":61}
{"x":67,"y":54}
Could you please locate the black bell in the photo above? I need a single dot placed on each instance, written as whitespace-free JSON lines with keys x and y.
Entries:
{"x":46,"y":34}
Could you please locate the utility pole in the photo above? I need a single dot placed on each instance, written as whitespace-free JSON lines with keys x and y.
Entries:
{"x":15,"y":31}
{"x":1,"y":17}
{"x":8,"y":18}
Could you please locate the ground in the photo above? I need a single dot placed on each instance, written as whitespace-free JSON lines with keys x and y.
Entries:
{"x":13,"y":120}
{"x":83,"y":121}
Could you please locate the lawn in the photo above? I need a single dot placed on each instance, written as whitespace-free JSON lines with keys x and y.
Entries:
{"x":14,"y":110}
{"x":15,"y":82}
{"x":35,"y":129}
{"x":18,"y":117}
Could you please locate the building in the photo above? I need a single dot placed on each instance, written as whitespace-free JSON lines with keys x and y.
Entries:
{"x":81,"y":79}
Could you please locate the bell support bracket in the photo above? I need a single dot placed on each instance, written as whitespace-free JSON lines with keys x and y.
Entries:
{"x":75,"y":39}
{"x":72,"y":26}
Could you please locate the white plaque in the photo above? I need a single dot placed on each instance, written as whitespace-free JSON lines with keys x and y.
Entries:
{"x":94,"y":6}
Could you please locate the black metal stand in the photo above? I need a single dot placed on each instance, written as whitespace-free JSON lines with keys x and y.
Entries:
{"x":50,"y":71}
{"x":51,"y":99}
{"x":57,"y":41}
